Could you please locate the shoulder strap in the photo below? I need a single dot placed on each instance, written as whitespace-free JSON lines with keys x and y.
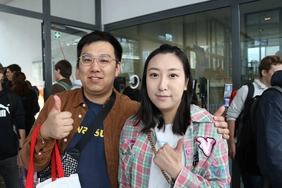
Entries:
{"x":97,"y":121}
{"x":251,"y":91}
{"x":155,"y":152}
{"x":64,"y":85}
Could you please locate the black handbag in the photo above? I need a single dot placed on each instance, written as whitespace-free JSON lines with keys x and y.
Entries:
{"x":71,"y":157}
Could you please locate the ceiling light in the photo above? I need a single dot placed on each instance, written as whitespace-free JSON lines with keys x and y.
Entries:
{"x":267,"y":18}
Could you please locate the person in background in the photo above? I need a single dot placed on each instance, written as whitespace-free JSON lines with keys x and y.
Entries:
{"x":28,"y":96}
{"x":10,"y":70}
{"x":63,"y":71}
{"x":34,"y":88}
{"x":268,"y":125}
{"x":76,"y":83}
{"x":29,"y":100}
{"x":4,"y":80}
{"x":189,"y":151}
{"x":133,"y":94}
{"x":12,"y":134}
{"x":65,"y":114}
{"x":267,"y":67}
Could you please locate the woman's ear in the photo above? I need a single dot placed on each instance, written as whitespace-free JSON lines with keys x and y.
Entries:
{"x":186,"y":84}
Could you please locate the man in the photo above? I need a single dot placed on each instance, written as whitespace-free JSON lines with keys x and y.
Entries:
{"x":63,"y":71}
{"x":65,"y":115}
{"x":11,"y":122}
{"x":267,"y":67}
{"x":268,"y":134}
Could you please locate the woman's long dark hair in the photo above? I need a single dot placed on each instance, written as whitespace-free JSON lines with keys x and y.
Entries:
{"x":148,"y":113}
{"x":19,"y":85}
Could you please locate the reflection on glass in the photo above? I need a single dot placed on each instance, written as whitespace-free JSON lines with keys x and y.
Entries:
{"x":204,"y":37}
{"x":260,"y":35}
{"x":64,"y":45}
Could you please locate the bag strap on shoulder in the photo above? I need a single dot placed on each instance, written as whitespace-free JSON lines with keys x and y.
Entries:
{"x":64,"y":85}
{"x":251,"y":90}
{"x":95,"y":124}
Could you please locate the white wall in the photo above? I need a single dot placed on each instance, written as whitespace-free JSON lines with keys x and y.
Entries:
{"x":118,"y":10}
{"x":20,"y":42}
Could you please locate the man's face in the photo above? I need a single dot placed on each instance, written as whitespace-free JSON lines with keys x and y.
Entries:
{"x":268,"y":74}
{"x":96,"y":79}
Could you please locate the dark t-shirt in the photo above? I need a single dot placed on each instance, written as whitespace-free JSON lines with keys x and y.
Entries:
{"x":92,"y":167}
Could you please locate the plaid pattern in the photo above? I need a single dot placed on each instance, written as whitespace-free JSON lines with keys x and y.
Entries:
{"x":202,"y":168}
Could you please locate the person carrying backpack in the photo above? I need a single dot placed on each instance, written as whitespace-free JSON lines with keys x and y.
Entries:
{"x":62,"y":73}
{"x":268,"y":131}
{"x":267,"y":67}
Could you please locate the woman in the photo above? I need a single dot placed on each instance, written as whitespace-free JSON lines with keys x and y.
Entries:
{"x":188,"y":148}
{"x":10,"y":70}
{"x":28,"y":96}
{"x":31,"y":107}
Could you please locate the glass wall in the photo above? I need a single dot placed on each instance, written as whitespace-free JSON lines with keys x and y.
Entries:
{"x":64,"y":45}
{"x":261,"y":28}
{"x":205,"y":38}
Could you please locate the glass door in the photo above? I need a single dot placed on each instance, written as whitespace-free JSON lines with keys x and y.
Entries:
{"x":263,"y":31}
{"x":64,"y":45}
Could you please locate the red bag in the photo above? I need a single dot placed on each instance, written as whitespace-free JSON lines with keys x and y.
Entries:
{"x":55,"y":161}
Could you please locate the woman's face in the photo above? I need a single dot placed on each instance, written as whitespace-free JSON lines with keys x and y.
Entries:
{"x":9,"y":74}
{"x":166,"y":82}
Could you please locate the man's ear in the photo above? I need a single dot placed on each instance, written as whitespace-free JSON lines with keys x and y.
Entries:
{"x":77,"y":74}
{"x":263,"y":72}
{"x":118,"y":67}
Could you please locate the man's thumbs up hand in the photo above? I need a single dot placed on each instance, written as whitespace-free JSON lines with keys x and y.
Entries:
{"x":57,"y":105}
{"x":58,"y":124}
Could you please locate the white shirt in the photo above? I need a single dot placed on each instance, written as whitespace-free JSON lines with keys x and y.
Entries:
{"x":238,"y":102}
{"x":157,"y":180}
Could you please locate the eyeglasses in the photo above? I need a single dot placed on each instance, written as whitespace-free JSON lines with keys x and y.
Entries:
{"x":102,"y":59}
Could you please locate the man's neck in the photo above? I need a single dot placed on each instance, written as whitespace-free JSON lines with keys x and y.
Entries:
{"x":265,"y":82}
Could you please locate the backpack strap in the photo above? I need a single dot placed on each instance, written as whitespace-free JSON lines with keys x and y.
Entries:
{"x":64,"y":85}
{"x":251,"y":90}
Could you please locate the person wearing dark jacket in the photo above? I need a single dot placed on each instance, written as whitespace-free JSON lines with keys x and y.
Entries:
{"x":29,"y":101}
{"x":63,"y":71}
{"x":268,"y":123}
{"x":12,"y":124}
